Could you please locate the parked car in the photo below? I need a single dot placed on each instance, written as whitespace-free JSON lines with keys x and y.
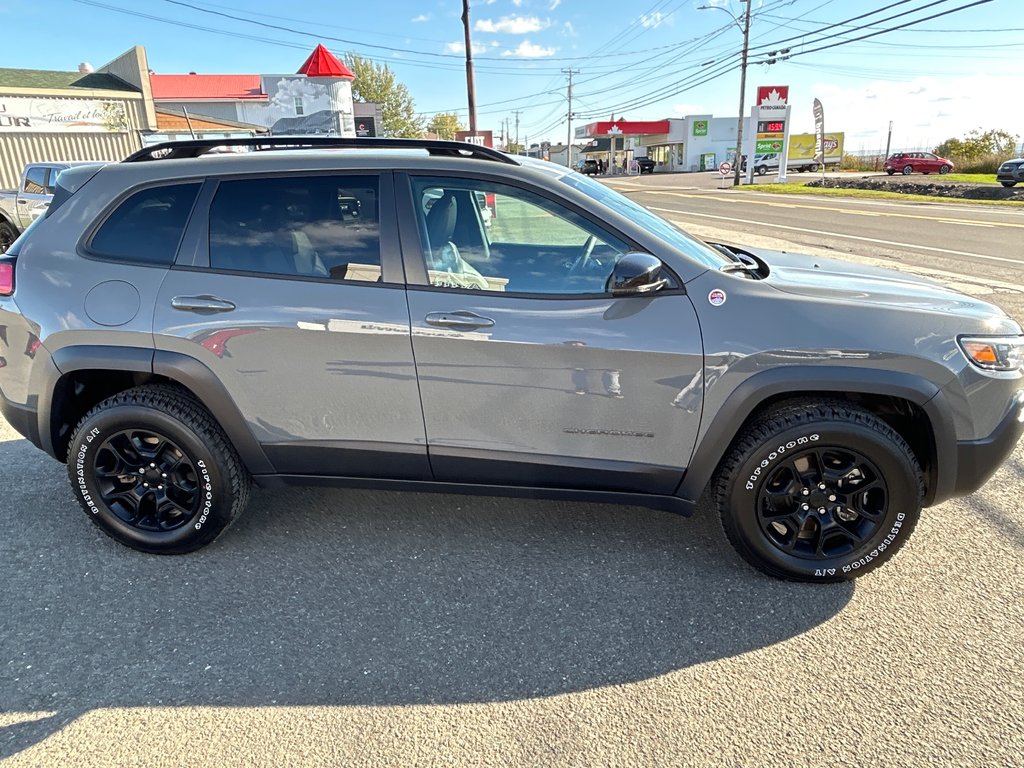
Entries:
{"x":22,"y":206}
{"x":179,"y":328}
{"x":1011,"y":172}
{"x":645,"y":165}
{"x":917,"y":162}
{"x":588,"y":167}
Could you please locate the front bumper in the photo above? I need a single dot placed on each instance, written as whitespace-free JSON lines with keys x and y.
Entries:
{"x":977,"y":460}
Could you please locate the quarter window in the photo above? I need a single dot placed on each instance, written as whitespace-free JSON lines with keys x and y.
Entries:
{"x":147,"y":227}
{"x":492,"y":237}
{"x":306,"y":226}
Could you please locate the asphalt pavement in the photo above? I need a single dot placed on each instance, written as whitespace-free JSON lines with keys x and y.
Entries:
{"x":333,"y":627}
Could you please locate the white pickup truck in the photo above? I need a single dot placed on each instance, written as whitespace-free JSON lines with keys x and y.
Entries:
{"x":20,"y":207}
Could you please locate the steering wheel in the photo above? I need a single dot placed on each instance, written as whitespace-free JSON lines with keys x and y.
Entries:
{"x":583,"y":261}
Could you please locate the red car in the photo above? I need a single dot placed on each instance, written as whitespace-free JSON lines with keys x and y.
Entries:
{"x":920,"y":162}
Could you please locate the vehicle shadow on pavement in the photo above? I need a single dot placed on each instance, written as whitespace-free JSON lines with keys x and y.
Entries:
{"x":336,"y":597}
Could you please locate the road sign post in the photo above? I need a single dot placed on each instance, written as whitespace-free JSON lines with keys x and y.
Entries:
{"x":725,"y":169}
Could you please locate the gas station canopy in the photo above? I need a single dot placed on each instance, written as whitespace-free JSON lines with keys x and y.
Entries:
{"x":625,"y":128}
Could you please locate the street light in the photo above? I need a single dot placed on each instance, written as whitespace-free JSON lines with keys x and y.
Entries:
{"x":745,"y":27}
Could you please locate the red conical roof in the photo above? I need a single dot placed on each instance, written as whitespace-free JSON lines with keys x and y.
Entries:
{"x":323,"y":63}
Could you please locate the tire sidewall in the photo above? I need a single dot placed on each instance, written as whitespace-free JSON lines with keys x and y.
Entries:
{"x":214,"y":510}
{"x":902,"y":490}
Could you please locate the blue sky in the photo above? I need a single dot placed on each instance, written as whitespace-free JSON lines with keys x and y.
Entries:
{"x":645,"y":60}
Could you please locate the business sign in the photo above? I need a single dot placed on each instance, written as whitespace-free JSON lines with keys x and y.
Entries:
{"x":480,"y":138}
{"x":366,"y":127}
{"x":25,"y":114}
{"x":764,"y":146}
{"x":772,"y":100}
{"x":700,"y":127}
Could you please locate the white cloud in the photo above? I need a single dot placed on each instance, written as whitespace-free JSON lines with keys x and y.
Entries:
{"x":421,"y":18}
{"x":460,"y":47}
{"x":517,"y":3}
{"x":569,"y":29}
{"x":554,"y":4}
{"x":652,"y":19}
{"x":688,"y":108}
{"x":528,"y":50}
{"x":511,"y":25}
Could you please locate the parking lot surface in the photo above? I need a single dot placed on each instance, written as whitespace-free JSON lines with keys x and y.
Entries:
{"x":336,"y":627}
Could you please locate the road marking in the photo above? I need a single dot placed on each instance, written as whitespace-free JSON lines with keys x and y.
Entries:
{"x":851,"y":211}
{"x":1018,"y":262}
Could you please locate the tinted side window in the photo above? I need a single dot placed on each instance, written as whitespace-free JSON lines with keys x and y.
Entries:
{"x":147,"y":227}
{"x":306,"y":226}
{"x":35,"y":181}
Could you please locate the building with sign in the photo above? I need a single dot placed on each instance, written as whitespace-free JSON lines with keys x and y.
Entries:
{"x":107,"y":113}
{"x":83,"y":115}
{"x":691,"y":143}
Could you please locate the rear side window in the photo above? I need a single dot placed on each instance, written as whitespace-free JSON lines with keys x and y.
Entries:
{"x":35,"y":181}
{"x":147,"y":227}
{"x":325,"y":227}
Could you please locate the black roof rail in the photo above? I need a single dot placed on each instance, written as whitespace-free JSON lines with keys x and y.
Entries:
{"x":171,"y":150}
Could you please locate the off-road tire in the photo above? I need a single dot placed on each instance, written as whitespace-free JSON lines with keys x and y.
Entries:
{"x":750,"y":490}
{"x":8,"y":235}
{"x":203,"y":478}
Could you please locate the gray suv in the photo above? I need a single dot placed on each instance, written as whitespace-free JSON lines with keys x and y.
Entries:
{"x":179,"y":326}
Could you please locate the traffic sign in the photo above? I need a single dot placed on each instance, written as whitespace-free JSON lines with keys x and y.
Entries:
{"x":725,"y":168}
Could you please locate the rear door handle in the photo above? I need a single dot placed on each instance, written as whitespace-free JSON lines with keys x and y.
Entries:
{"x":460,"y":318}
{"x":201,"y":304}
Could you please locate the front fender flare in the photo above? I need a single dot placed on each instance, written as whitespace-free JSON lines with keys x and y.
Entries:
{"x":761,"y":387}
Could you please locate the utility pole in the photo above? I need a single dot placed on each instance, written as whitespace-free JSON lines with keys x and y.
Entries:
{"x":516,"y":112}
{"x":888,"y":142}
{"x":743,"y":90}
{"x":568,"y":141}
{"x":470,"y":87}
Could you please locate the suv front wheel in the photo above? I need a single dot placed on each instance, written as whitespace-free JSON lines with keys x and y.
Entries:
{"x":154,"y":471}
{"x":821,"y":491}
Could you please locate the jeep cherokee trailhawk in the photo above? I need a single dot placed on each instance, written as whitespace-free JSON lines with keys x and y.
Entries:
{"x":178,"y":326}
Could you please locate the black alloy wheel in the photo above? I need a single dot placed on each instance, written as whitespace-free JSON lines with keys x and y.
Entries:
{"x":147,"y":480}
{"x":822,"y":503}
{"x":818,"y":490}
{"x":153,"y":470}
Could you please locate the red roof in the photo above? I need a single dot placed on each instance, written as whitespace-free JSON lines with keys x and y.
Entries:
{"x":629,"y":127}
{"x":323,"y":63}
{"x":191,"y":87}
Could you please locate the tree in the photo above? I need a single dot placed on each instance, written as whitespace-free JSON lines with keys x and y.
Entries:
{"x":445,"y":125}
{"x":376,"y":84}
{"x":978,"y":144}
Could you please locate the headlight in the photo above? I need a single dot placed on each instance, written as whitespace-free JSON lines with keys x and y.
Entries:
{"x":994,"y":353}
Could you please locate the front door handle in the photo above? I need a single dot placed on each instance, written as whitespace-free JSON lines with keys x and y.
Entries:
{"x":459,"y":319}
{"x":201,"y":304}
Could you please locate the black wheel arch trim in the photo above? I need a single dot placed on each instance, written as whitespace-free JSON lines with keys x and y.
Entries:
{"x":748,"y":396}
{"x":179,"y":368}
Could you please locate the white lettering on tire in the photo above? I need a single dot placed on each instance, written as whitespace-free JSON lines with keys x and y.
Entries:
{"x":83,"y":451}
{"x":775,"y":454}
{"x":893,"y":533}
{"x":207,"y":488}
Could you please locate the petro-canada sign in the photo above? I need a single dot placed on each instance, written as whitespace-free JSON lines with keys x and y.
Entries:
{"x":772,"y":100}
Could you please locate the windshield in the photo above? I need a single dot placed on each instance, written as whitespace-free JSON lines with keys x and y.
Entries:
{"x":659,"y":227}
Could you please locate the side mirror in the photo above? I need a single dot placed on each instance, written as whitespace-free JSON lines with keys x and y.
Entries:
{"x":635,"y":273}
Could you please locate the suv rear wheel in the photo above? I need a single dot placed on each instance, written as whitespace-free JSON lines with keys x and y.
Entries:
{"x":821,"y":491}
{"x":154,"y":471}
